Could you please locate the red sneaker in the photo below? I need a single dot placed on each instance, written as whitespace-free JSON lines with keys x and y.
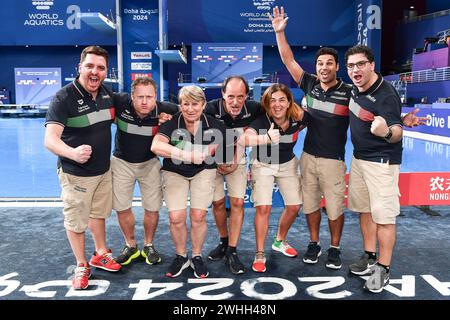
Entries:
{"x":81,"y":278}
{"x":259,"y":264}
{"x":105,"y":261}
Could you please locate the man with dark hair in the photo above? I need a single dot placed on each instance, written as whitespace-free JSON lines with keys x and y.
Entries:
{"x":376,"y":133}
{"x":138,"y":121}
{"x":78,"y":131}
{"x":236,"y":112}
{"x":322,"y":163}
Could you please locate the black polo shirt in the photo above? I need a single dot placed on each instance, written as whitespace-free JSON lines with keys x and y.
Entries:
{"x":327,"y":117}
{"x":210,"y":137}
{"x":85,"y":121}
{"x":381,"y":99}
{"x":250,"y":111}
{"x":134,"y":136}
{"x":276,"y":153}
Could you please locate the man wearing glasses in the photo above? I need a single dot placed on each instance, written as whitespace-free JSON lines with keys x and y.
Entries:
{"x":376,"y":133}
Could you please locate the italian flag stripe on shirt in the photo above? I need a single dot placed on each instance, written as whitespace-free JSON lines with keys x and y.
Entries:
{"x":330,"y":107}
{"x":289,"y":138}
{"x":360,"y":112}
{"x":135,"y":129}
{"x":89,"y":119}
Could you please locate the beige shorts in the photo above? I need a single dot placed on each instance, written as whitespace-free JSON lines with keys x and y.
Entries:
{"x":176,"y":188}
{"x":373,"y":187}
{"x":84,"y":198}
{"x":236,"y":183}
{"x":124,"y":177}
{"x":286,"y":176}
{"x":322,"y":176}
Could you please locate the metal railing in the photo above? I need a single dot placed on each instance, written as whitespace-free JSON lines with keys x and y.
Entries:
{"x":427,"y":16}
{"x":437,"y":74}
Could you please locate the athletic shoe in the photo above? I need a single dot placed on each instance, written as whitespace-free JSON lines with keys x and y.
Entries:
{"x":127,"y":255}
{"x":200,"y":270}
{"x":233,"y":262}
{"x":378,"y":279}
{"x":105,"y":261}
{"x":178,"y":265}
{"x":362,"y":266}
{"x":218,"y":252}
{"x":334,"y":259}
{"x":82,"y":273}
{"x":313,"y":253}
{"x":284,"y":247}
{"x":151,"y":255}
{"x":259,"y":264}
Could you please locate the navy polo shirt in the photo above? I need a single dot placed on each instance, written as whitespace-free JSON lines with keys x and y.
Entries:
{"x":85,"y":121}
{"x":326,"y":116}
{"x":276,"y":153}
{"x":210,"y":137}
{"x":134,"y":136}
{"x":381,"y":99}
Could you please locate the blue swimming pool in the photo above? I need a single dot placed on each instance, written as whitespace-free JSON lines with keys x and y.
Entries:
{"x":28,"y":170}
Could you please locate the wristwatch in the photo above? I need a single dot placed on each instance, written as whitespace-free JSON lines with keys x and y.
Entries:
{"x":388,"y":136}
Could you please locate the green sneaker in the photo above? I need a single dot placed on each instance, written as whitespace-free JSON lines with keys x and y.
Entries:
{"x":284,"y":247}
{"x":127,"y":255}
{"x":151,"y":255}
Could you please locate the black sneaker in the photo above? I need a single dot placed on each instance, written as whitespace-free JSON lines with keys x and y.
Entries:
{"x":363,"y":265}
{"x":313,"y":253}
{"x":127,"y":255}
{"x":151,"y":255}
{"x":178,"y":265}
{"x":218,"y":253}
{"x":200,"y":270}
{"x":233,"y":262}
{"x":334,"y":259}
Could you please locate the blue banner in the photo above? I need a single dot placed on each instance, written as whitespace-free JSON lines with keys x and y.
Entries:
{"x":62,"y":22}
{"x":368,"y":26}
{"x":140,"y":34}
{"x":438,"y":122}
{"x":311,"y":22}
{"x":214,"y":62}
{"x":36,"y":86}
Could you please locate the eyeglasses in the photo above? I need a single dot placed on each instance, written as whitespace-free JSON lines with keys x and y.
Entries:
{"x":359,"y":65}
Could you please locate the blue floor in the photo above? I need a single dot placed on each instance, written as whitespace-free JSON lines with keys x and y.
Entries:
{"x":29,"y":170}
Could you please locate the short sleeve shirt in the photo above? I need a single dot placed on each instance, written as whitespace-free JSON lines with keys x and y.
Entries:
{"x":381,"y":99}
{"x":134,"y":135}
{"x":276,"y":153}
{"x":85,"y":121}
{"x":326,"y":116}
{"x":208,"y":138}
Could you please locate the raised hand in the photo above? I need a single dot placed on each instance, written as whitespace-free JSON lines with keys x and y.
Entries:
{"x":411,"y":120}
{"x":279,"y":22}
{"x":163,"y":117}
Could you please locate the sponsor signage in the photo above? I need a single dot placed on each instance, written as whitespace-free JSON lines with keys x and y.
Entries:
{"x":141,"y":66}
{"x":141,"y":55}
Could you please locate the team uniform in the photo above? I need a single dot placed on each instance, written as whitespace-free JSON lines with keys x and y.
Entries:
{"x":375,"y":167}
{"x":237,"y":180}
{"x":322,"y":163}
{"x":275,"y":163}
{"x":199,"y":179}
{"x":86,"y":188}
{"x":132,"y":158}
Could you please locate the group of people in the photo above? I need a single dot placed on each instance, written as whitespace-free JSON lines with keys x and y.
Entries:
{"x":204,"y":144}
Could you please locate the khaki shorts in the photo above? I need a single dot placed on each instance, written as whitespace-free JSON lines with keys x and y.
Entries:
{"x":373,"y":187}
{"x":236,"y":183}
{"x":124,"y":177}
{"x":322,"y":176}
{"x":286,"y":175}
{"x":176,"y":188}
{"x":84,"y":198}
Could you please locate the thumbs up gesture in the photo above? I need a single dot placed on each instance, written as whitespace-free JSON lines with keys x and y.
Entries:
{"x":273,"y":135}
